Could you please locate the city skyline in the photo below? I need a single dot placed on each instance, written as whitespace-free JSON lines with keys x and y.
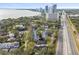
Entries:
{"x":38,"y":5}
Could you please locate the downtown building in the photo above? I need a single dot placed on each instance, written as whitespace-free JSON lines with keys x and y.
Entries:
{"x":51,"y":12}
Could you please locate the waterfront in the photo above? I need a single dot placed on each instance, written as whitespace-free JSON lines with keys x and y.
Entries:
{"x":13,"y":13}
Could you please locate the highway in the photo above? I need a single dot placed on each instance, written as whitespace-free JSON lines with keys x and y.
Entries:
{"x":65,"y":45}
{"x":59,"y":50}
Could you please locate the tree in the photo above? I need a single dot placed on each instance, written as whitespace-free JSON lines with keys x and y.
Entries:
{"x":48,"y":40}
{"x":3,"y":38}
{"x":30,"y":47}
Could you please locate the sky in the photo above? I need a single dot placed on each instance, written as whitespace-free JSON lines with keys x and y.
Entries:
{"x":38,"y":5}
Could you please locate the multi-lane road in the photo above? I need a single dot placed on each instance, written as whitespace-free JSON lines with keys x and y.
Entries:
{"x":59,"y":50}
{"x":66,"y":45}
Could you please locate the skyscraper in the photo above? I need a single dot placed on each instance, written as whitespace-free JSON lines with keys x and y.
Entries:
{"x":42,"y":12}
{"x":54,"y":8}
{"x":46,"y":9}
{"x":52,"y":13}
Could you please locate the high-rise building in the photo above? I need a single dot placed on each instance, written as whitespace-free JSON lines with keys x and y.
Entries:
{"x":52,"y":13}
{"x":46,"y":9}
{"x":40,"y":9}
{"x":54,"y":8}
{"x":42,"y":12}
